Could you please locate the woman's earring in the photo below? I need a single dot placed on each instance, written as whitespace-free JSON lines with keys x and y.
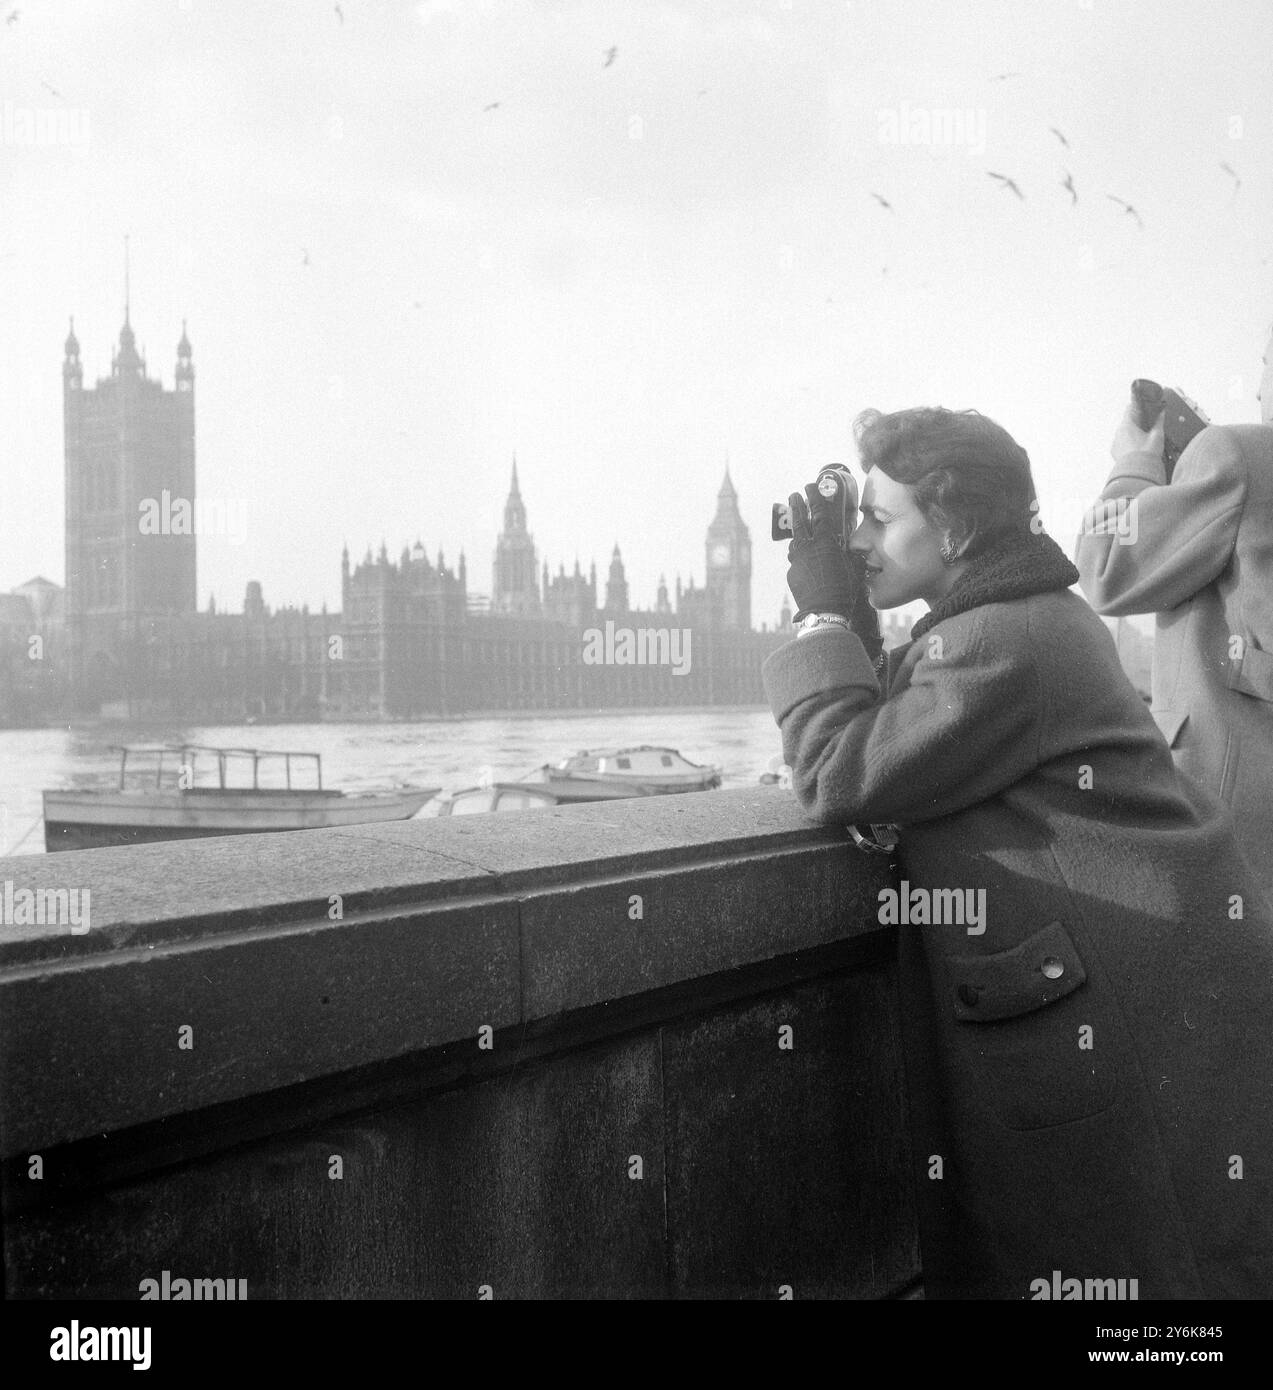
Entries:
{"x":948,"y":552}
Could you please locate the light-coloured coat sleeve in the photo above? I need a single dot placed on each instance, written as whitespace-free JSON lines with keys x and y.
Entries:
{"x":966,"y":726}
{"x":1148,"y":545}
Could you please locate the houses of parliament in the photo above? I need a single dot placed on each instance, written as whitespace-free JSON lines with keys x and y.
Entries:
{"x":126,"y":639}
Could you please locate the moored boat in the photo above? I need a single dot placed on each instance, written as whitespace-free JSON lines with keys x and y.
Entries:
{"x":643,"y":770}
{"x":183,"y":808}
{"x":494,"y":796}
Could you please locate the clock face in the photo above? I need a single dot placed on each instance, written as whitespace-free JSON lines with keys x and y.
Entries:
{"x":720,"y":554}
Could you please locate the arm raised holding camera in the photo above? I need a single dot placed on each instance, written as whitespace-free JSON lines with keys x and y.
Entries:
{"x":824,"y":578}
{"x":1149,"y":545}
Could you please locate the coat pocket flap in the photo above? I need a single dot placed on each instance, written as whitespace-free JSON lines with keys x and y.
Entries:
{"x":1253,"y":674}
{"x":1170,"y":722}
{"x":1041,"y":970}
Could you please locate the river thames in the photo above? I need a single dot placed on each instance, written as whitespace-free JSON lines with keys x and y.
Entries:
{"x":743,"y":743}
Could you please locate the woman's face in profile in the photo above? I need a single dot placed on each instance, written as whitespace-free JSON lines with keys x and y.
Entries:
{"x":901,"y":549}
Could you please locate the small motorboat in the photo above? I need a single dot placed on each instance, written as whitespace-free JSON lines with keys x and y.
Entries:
{"x":182,"y":807}
{"x":645,"y":770}
{"x":529,"y":795}
{"x":493,"y":796}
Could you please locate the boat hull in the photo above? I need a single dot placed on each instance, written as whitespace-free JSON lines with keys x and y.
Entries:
{"x":591,"y":786}
{"x":92,"y":820}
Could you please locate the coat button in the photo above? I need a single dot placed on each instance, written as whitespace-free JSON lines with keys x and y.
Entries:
{"x":969,"y":994}
{"x":1052,"y":968}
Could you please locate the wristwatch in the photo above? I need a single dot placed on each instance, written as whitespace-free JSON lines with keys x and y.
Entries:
{"x":812,"y":621}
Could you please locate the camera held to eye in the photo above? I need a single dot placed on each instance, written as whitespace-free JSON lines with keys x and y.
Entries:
{"x":1182,"y":418}
{"x":837,"y":486}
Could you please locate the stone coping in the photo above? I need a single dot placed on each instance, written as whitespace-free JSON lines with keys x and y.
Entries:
{"x":293,"y":957}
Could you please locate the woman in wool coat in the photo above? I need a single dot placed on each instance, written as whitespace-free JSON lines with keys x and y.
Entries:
{"x":1085,"y":961}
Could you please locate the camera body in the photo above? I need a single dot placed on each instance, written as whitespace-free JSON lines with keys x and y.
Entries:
{"x":837,"y":486}
{"x":1182,"y":417}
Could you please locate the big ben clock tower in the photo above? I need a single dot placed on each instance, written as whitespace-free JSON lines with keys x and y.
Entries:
{"x":728,"y":562}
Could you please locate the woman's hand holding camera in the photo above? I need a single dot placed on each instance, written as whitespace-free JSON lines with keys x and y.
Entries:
{"x":822,"y":578}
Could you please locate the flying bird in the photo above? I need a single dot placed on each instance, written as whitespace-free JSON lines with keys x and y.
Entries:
{"x":1068,"y":185}
{"x":883,"y":202}
{"x":304,"y":255}
{"x":12,"y":16}
{"x":53,"y":91}
{"x":340,"y":14}
{"x":611,"y":55}
{"x":1233,"y":174}
{"x":1127,"y":208}
{"x":1059,"y":136}
{"x":492,"y":107}
{"x":1005,"y":182}
{"x":1003,"y":76}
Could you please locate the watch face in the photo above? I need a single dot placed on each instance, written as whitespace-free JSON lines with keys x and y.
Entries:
{"x":720,"y":554}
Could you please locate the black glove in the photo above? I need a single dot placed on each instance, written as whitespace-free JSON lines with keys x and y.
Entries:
{"x":821,"y":577}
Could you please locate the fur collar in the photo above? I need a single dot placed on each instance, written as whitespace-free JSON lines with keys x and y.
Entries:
{"x":1016,"y":567}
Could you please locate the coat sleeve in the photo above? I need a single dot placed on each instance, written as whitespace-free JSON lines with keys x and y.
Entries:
{"x":965,"y":727}
{"x":1148,"y":546}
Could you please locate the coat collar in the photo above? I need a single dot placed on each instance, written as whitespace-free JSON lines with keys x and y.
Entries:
{"x":1015,"y":567}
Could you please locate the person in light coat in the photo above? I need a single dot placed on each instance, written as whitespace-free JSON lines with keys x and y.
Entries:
{"x":1198,"y":552}
{"x":1085,"y":964}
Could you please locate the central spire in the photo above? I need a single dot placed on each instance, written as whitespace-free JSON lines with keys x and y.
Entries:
{"x":127,"y":340}
{"x":514,"y":507}
{"x":515,"y":577}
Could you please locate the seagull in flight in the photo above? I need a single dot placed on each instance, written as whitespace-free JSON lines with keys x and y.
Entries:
{"x":1127,"y":208}
{"x":494,"y":105}
{"x":12,"y":16}
{"x":1003,"y":76}
{"x":1233,"y":174}
{"x":883,"y":202}
{"x":1059,"y":136}
{"x":340,"y":14}
{"x":611,"y":55}
{"x":1068,"y":185}
{"x":1005,"y":182}
{"x":53,"y":91}
{"x":304,"y":255}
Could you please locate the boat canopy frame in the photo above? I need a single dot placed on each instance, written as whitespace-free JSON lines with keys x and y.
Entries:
{"x":187,"y":753}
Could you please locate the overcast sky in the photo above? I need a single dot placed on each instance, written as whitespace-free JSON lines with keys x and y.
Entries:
{"x":631,"y":267}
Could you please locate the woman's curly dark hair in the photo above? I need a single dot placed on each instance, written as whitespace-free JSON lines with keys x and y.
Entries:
{"x":968,"y":474}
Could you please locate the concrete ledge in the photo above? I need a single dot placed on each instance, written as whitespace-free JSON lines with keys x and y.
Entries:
{"x":302,"y":956}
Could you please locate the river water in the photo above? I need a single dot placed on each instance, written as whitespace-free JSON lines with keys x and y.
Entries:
{"x":450,"y":754}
